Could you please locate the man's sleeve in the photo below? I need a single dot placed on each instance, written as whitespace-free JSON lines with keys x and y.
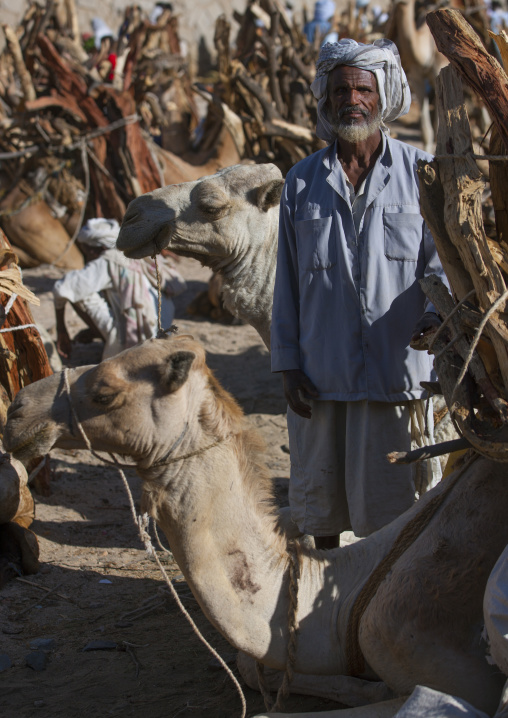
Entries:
{"x":433,"y":264}
{"x":285,"y":352}
{"x":79,"y":284}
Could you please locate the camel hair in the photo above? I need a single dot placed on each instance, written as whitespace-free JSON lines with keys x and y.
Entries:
{"x":159,"y":401}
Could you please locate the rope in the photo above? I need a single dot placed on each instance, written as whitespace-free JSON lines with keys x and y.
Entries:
{"x":8,"y":308}
{"x":410,"y":532}
{"x":15,"y":329}
{"x":142,"y":524}
{"x":475,"y":341}
{"x":160,"y":331}
{"x":446,"y":320}
{"x":283,"y":692}
{"x":86,"y":168}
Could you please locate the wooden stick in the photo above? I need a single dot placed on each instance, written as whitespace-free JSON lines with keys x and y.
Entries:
{"x":14,"y":48}
{"x":428,"y":452}
{"x":457,"y":40}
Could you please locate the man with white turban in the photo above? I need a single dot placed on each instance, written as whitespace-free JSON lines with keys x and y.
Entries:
{"x":116,"y":297}
{"x":352,"y":247}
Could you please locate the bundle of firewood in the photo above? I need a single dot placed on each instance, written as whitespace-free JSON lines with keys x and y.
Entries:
{"x":77,"y":132}
{"x":266,"y":80}
{"x":471,"y":347}
{"x":85,"y":131}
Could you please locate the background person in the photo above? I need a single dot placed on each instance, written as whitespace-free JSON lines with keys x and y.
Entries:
{"x":116,"y":297}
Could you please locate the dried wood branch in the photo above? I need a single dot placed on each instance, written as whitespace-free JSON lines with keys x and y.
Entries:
{"x":457,"y":40}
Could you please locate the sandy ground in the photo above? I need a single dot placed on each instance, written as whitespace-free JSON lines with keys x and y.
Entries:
{"x":103,"y":586}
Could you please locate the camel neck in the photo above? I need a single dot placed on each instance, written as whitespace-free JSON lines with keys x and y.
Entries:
{"x":236,"y":562}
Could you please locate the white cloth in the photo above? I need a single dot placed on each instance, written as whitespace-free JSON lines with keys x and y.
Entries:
{"x":495,"y":611}
{"x":427,"y":703}
{"x":100,"y":232}
{"x":340,"y":478}
{"x":101,"y":30}
{"x":127,"y":311}
{"x":382,"y":59}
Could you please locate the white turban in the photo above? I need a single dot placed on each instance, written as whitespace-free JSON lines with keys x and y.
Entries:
{"x":100,"y":233}
{"x":381,"y":58}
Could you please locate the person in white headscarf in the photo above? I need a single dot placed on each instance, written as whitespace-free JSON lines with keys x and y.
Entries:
{"x":347,"y":302}
{"x":116,"y":297}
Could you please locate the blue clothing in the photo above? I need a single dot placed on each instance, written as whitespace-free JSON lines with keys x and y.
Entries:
{"x":314,"y":26}
{"x":345,"y":304}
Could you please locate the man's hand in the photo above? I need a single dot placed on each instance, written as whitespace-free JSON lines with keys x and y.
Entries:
{"x":428,"y":322}
{"x":63,"y":344}
{"x":296,"y":383}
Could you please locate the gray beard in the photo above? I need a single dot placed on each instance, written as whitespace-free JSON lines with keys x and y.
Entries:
{"x":354,"y":133}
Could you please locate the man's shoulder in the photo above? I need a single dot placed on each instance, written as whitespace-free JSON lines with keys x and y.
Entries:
{"x":308,"y":164}
{"x":399,"y":148}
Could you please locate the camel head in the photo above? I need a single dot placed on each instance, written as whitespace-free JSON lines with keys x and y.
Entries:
{"x":215,"y":219}
{"x":139,"y":403}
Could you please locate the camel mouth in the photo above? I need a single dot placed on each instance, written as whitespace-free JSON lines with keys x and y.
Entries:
{"x":153,"y":242}
{"x":34,"y":442}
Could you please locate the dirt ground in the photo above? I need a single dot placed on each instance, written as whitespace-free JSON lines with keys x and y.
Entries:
{"x":96,"y":582}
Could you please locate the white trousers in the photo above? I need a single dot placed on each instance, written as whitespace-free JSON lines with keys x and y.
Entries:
{"x":340,"y":478}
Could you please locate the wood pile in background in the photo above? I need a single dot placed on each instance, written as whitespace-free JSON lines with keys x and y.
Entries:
{"x":80,"y":139}
{"x":471,"y":350}
{"x":23,"y":358}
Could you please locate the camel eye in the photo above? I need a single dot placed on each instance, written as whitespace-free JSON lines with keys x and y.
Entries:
{"x":105,"y":399}
{"x":212,"y":201}
{"x":214,"y":211}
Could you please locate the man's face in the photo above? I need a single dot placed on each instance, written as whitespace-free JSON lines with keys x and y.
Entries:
{"x":353,"y":103}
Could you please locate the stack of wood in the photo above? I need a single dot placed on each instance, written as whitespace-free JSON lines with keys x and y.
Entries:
{"x":266,"y":82}
{"x":76,"y":137}
{"x":84,"y":132}
{"x":23,"y":357}
{"x":471,"y":348}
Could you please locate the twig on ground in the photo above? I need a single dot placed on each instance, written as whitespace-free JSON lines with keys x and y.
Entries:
{"x":33,"y":605}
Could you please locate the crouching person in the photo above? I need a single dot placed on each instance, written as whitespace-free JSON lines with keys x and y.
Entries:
{"x":116,"y":297}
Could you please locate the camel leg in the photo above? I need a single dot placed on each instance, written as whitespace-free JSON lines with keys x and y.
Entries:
{"x":387,"y":709}
{"x":343,"y":689}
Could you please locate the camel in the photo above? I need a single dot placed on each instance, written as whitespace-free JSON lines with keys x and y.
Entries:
{"x":36,"y":235}
{"x":420,"y":59}
{"x":206,"y":485}
{"x":228,"y":221}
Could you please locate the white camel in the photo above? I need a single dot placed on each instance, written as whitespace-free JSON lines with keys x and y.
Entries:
{"x":205,"y":484}
{"x":228,"y":221}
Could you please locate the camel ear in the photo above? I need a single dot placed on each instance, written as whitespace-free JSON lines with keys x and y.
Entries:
{"x":268,"y":194}
{"x":178,"y":369}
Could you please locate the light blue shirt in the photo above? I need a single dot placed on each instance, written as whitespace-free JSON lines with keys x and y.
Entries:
{"x":346,"y":303}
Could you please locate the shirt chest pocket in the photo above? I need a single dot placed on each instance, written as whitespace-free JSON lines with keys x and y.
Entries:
{"x":316,"y":243}
{"x":403,"y":236}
